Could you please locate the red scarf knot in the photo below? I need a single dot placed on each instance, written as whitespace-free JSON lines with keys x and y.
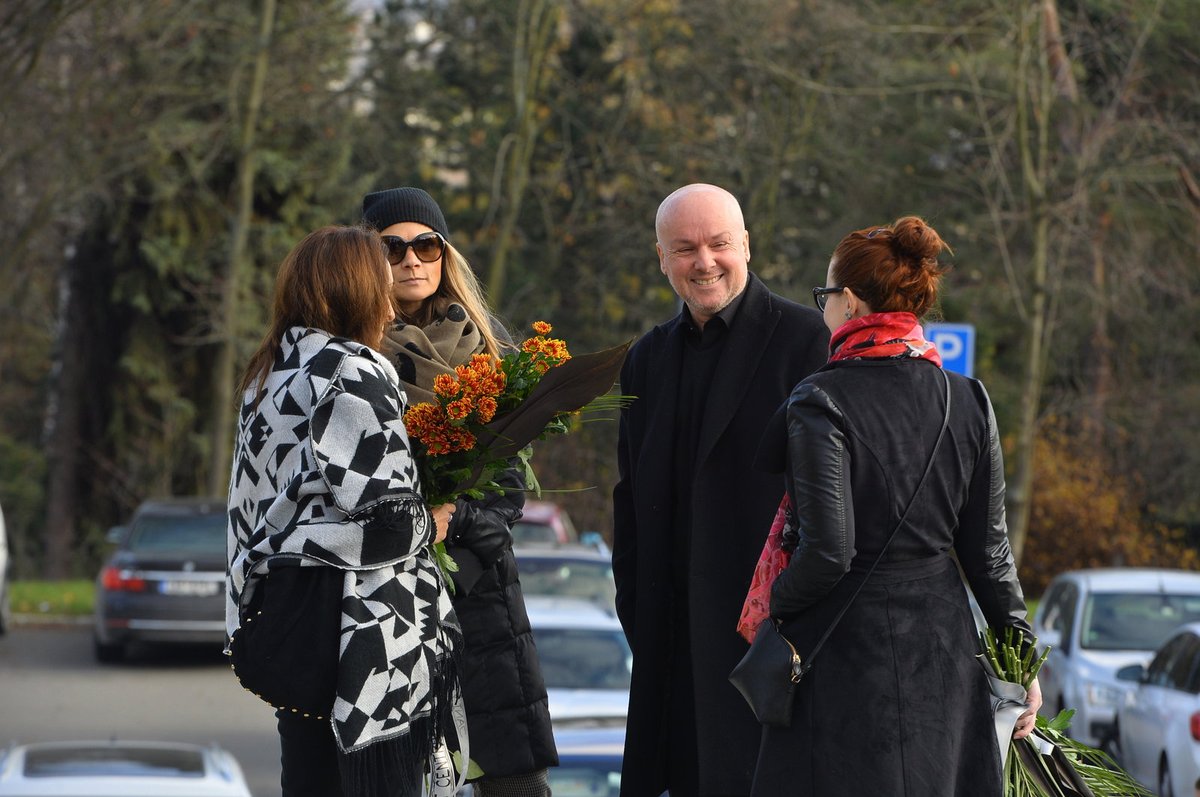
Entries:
{"x":882,"y":336}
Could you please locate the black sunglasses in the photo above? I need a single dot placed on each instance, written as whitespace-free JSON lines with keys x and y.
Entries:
{"x":428,"y":247}
{"x":821,"y":294}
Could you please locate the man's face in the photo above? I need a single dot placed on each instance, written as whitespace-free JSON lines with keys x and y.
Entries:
{"x":704,"y":248}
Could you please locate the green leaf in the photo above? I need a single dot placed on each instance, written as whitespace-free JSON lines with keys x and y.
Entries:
{"x":1062,"y":721}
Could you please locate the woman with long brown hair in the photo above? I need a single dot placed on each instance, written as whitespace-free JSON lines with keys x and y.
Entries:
{"x":442,"y":320}
{"x":329,"y":562}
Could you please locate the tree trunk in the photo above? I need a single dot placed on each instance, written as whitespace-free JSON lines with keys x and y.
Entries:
{"x":224,"y":373}
{"x":1020,"y":493}
{"x":536,"y":25}
{"x":64,"y":422}
{"x":1032,"y":87}
{"x":1101,"y":342}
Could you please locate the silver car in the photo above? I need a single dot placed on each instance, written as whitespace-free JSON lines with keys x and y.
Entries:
{"x":586,"y":661}
{"x":119,"y":769}
{"x":589,"y":760}
{"x":4,"y":604}
{"x":1159,"y":723}
{"x":1096,"y":622}
{"x":165,"y":582}
{"x":568,"y":571}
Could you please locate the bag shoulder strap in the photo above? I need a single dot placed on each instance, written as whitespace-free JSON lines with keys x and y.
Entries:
{"x":804,"y":668}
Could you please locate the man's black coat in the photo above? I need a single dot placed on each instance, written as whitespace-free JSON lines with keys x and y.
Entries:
{"x":773,"y":343}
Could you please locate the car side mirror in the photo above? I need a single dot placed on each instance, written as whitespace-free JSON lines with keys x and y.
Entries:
{"x":116,"y":535}
{"x":1050,"y":639}
{"x":1134,"y":673}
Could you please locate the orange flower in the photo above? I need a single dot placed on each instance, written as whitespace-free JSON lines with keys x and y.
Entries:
{"x":445,"y":385}
{"x":458,"y":409}
{"x":461,"y":440}
{"x":542,"y":328}
{"x":427,"y":424}
{"x":480,"y":377}
{"x":483,"y":362}
{"x":487,"y":409}
{"x":557,"y":349}
{"x":549,"y":348}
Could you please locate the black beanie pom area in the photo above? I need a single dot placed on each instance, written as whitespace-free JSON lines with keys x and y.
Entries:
{"x":382,"y":209}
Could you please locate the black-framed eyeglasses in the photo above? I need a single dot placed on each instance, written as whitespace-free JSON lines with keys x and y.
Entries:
{"x":821,"y":294}
{"x":428,"y":246}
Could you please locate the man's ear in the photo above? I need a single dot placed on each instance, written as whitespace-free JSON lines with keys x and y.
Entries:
{"x":662,"y":261}
{"x":746,"y":244}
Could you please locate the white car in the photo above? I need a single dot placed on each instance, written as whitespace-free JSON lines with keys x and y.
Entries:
{"x":1159,"y":724}
{"x":4,"y":606}
{"x":569,"y":571}
{"x":1096,"y":622}
{"x":119,"y":769}
{"x":586,"y":661}
{"x":589,"y":760}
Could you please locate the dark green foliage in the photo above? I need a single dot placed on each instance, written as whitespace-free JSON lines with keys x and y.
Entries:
{"x":119,"y":128}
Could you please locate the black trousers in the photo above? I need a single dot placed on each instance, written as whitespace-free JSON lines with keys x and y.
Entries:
{"x":308,"y":754}
{"x":309,"y":758}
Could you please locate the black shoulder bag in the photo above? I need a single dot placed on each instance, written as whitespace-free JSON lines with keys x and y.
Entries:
{"x":286,"y":650}
{"x":767,"y":675}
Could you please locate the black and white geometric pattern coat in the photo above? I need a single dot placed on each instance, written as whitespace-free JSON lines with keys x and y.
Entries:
{"x":323,"y":475}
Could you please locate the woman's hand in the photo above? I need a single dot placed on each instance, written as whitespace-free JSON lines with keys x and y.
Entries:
{"x":441,"y":520}
{"x":1025,"y":721}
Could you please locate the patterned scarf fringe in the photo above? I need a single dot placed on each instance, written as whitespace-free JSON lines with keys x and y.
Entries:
{"x":389,"y":768}
{"x":395,"y":767}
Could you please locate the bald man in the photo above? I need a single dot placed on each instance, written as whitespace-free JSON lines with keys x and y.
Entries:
{"x":690,"y":511}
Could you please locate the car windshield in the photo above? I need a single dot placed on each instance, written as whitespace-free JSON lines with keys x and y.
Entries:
{"x":112,"y":761}
{"x":182,"y":533}
{"x":591,"y":579}
{"x":526,"y":533}
{"x":584,"y":658}
{"x":1124,"y":621}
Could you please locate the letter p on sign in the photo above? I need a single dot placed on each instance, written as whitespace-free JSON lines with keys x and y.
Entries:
{"x":956,"y":344}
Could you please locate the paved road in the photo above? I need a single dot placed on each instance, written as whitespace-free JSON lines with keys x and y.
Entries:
{"x":52,"y":689}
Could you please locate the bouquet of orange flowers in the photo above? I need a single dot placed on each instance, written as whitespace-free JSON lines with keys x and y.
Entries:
{"x":491,"y":410}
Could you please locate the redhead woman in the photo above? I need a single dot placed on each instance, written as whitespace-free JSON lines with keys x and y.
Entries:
{"x":441,"y":321}
{"x":896,"y":705}
{"x":327,"y":529}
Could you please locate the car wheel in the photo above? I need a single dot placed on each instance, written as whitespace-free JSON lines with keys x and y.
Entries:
{"x":107,"y":653}
{"x":1164,"y":779}
{"x":1110,"y":745}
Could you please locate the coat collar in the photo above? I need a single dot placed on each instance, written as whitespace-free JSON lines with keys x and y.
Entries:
{"x":756,"y":321}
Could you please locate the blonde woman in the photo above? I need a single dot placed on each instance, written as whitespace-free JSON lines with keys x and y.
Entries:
{"x":441,"y":321}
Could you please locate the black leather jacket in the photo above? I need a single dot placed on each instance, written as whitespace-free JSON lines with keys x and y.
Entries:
{"x":859,"y":434}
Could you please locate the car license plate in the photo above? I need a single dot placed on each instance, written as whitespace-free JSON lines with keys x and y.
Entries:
{"x":196,"y":589}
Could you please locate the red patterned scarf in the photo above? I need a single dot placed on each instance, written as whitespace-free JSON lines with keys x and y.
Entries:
{"x":773,"y":561}
{"x":882,"y":336}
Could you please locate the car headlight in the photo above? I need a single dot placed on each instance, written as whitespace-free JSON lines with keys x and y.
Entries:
{"x":1099,"y":694}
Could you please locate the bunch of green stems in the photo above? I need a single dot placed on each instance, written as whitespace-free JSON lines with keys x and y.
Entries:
{"x":1048,"y":762}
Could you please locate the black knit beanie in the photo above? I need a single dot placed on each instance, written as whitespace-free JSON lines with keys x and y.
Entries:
{"x":382,"y":209}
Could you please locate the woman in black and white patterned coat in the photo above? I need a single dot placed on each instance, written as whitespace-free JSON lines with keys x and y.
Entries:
{"x":325,"y":508}
{"x":442,"y":321}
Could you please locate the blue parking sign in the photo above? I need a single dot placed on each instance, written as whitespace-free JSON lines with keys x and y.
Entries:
{"x":956,"y":344}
